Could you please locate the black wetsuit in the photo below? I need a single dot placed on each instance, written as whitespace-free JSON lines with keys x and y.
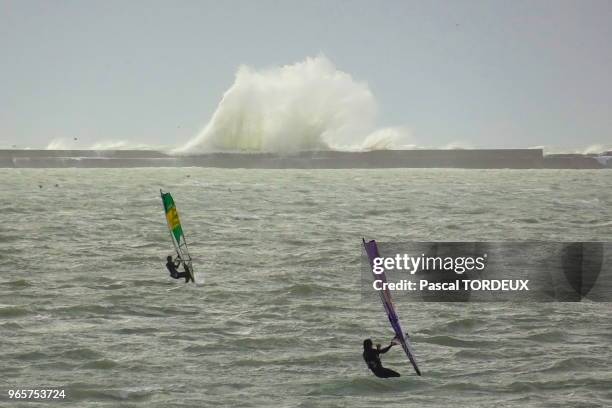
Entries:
{"x":176,"y":274}
{"x":372,"y":359}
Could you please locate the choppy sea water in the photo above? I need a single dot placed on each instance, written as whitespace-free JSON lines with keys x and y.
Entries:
{"x":85,"y":303}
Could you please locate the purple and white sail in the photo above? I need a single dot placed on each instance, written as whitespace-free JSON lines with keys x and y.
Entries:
{"x":385,"y":296}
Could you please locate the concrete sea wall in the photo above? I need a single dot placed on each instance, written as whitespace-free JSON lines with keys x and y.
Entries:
{"x":469,"y":159}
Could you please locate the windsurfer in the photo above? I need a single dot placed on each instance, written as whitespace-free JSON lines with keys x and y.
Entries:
{"x":174,"y":273}
{"x":372,"y":358}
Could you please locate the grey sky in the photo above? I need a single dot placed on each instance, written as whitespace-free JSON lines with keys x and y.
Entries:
{"x":489,"y":74}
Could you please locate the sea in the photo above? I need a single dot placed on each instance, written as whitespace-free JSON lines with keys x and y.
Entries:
{"x":278,"y":319}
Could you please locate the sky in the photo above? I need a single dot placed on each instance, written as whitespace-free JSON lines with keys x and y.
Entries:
{"x":490,"y":74}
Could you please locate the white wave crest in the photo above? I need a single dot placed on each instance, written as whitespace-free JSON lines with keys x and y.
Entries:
{"x":309,"y":105}
{"x":62,"y":143}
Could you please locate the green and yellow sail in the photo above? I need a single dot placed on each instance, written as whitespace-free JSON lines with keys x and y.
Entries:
{"x":174,"y":223}
{"x":176,"y":233}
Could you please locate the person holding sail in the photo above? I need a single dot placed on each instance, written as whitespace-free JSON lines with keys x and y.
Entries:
{"x":372,"y":358}
{"x":174,"y":273}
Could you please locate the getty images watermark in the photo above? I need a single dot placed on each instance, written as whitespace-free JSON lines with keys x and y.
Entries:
{"x":458,"y":265}
{"x":491,"y":271}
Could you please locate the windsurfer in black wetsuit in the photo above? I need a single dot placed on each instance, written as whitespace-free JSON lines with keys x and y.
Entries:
{"x":372,"y":358}
{"x":172,"y":265}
